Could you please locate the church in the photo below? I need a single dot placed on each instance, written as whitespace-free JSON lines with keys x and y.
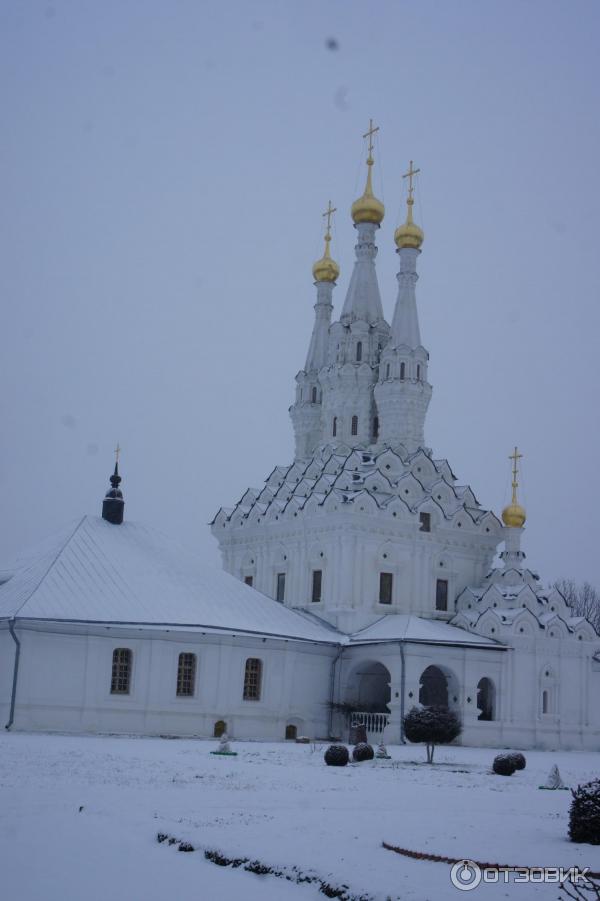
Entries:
{"x":359,"y":579}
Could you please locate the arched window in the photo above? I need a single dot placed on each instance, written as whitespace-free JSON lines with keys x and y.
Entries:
{"x":433,"y":688}
{"x":291,"y":732}
{"x":313,"y":396}
{"x":545,"y":701}
{"x":355,"y":425}
{"x":387,"y":370}
{"x":186,"y":675}
{"x":252,"y":679}
{"x":359,"y":352}
{"x":486,"y":699}
{"x":220,"y":728}
{"x":376,"y":428}
{"x":418,"y":372}
{"x":402,"y":370}
{"x":334,"y":429}
{"x":121,"y":671}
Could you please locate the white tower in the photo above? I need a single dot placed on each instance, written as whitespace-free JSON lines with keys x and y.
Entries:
{"x":403,"y":392}
{"x":306,"y":410}
{"x":349,"y":415}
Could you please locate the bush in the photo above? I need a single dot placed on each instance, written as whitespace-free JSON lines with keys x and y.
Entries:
{"x":584,"y":816}
{"x":337,"y":755}
{"x":519,"y":760}
{"x":362,"y":751}
{"x":504,"y":765}
{"x":432,"y":726}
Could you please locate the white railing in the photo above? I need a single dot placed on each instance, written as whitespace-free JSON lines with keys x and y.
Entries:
{"x":373,"y":722}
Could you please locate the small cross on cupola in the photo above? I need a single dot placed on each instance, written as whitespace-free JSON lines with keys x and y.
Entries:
{"x":113,"y":504}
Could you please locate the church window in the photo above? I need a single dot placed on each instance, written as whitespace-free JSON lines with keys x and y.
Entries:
{"x":219,"y":728}
{"x":280,"y":594}
{"x":252,"y":679}
{"x":334,"y":429}
{"x":248,"y":580}
{"x":376,"y":428}
{"x":441,"y":594}
{"x":425,"y":522}
{"x":313,"y":396}
{"x":121,"y":671}
{"x":386,"y":582}
{"x":486,"y":699}
{"x":402,"y":370}
{"x":418,"y":372}
{"x":186,"y":675}
{"x":387,"y":371}
{"x":317,"y":582}
{"x":359,"y":352}
{"x":354,"y":429}
{"x":291,"y":732}
{"x":545,"y":701}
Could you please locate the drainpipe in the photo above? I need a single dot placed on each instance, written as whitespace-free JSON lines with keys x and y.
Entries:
{"x":332,"y":688}
{"x":11,"y":629}
{"x":402,"y":687}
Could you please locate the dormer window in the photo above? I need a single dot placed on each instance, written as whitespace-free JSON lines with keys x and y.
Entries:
{"x":425,"y":522}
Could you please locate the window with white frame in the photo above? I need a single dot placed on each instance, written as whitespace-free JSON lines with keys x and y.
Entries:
{"x":252,"y":679}
{"x":186,"y":675}
{"x":121,"y":671}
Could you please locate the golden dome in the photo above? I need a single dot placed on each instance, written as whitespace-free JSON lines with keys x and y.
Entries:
{"x":368,"y":208}
{"x":514,"y":516}
{"x":409,"y":234}
{"x":326,"y":269}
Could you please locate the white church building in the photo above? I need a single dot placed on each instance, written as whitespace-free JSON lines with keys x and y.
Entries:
{"x":358,"y":580}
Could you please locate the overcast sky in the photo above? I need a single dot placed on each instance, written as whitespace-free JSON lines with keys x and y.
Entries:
{"x":164,"y":166}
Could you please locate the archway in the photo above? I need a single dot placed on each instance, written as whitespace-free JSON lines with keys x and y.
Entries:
{"x":220,"y":728}
{"x":433,"y":688}
{"x":486,"y":699}
{"x":291,"y":732}
{"x":368,"y":687}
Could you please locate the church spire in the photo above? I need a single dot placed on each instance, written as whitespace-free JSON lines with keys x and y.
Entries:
{"x":113,"y":503}
{"x":513,"y":517}
{"x":408,"y":238}
{"x":363,"y":300}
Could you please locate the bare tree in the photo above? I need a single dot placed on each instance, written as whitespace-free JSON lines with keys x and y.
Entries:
{"x":582,"y":598}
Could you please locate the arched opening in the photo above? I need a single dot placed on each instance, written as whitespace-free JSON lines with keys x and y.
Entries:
{"x":418,"y":372}
{"x":402,"y":370}
{"x":368,"y":687}
{"x":354,"y":425}
{"x":545,"y":701}
{"x":486,"y":699}
{"x":220,"y":728}
{"x":334,"y":428}
{"x":387,"y":371}
{"x":313,"y":396}
{"x":291,"y":732}
{"x":359,"y":351}
{"x":433,"y":688}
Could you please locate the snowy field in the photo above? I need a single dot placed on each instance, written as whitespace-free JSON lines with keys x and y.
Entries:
{"x":277,"y":803}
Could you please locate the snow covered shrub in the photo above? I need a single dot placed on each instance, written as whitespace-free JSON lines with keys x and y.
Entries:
{"x":362,"y":751}
{"x":584,"y":816}
{"x":519,"y":760}
{"x":432,"y":726}
{"x":504,"y":765}
{"x":336,"y":755}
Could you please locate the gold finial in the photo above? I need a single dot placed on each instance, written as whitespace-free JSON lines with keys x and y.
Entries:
{"x":368,"y":208}
{"x":409,"y":234}
{"x":117,"y":452}
{"x":326,"y":269}
{"x":514,"y":515}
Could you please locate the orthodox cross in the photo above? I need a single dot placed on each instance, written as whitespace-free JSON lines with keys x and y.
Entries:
{"x":411,"y":172}
{"x":515,"y":457}
{"x":117,"y":452}
{"x":369,"y":134}
{"x":329,"y":213}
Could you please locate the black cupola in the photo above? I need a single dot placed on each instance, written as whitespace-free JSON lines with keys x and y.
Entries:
{"x":113,"y":503}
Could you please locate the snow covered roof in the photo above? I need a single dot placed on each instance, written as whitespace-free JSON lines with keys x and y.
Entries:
{"x":406,"y":627}
{"x":98,"y":572}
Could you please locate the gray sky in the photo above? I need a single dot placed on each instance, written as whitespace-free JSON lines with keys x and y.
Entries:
{"x":164,"y":166}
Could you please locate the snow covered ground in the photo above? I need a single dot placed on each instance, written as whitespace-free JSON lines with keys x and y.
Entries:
{"x":278,"y":803}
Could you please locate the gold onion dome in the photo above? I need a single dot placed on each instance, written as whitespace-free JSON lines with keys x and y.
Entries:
{"x":326,"y":269}
{"x":409,"y":234}
{"x":514,"y":516}
{"x":368,"y":208}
